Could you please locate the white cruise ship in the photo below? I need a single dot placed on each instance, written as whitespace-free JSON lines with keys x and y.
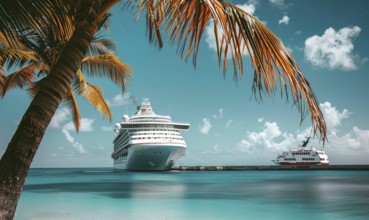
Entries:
{"x":303,"y":156}
{"x":147,"y":141}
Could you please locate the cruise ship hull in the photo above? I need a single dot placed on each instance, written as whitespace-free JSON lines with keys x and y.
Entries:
{"x":151,"y":157}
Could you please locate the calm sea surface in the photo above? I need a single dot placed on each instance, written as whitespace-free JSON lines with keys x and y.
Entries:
{"x":96,"y":193}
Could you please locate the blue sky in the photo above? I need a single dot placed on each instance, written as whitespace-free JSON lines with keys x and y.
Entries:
{"x":328,"y":40}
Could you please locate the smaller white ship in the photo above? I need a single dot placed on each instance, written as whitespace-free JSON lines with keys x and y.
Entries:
{"x":303,"y":156}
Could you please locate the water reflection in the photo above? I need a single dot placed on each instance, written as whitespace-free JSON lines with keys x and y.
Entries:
{"x":183,"y":195}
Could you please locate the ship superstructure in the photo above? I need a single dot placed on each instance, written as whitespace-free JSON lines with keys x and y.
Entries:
{"x":147,"y":141}
{"x":303,"y":156}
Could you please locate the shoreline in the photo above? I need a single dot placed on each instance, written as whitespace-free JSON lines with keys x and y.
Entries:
{"x":271,"y":167}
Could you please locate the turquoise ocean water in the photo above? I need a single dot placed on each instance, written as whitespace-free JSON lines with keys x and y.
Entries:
{"x":102,"y":193}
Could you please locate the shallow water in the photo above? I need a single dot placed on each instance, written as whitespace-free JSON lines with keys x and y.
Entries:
{"x":101,"y":193}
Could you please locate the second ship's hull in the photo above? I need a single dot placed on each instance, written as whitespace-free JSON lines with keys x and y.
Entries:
{"x":301,"y":163}
{"x":151,"y":157}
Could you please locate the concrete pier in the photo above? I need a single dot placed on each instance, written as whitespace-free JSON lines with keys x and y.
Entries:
{"x":270,"y":167}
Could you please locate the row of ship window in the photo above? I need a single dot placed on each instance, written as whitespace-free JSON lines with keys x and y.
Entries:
{"x":153,"y":130}
{"x":300,"y":153}
{"x":154,"y":126}
{"x":295,"y":158}
{"x":153,"y":133}
{"x":171,"y":138}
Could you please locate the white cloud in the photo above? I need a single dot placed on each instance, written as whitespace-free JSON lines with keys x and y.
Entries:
{"x":253,"y":2}
{"x":333,"y":49}
{"x":354,"y":140}
{"x":332,"y":116}
{"x":121,"y":99}
{"x":205,"y":127}
{"x":219,"y":115}
{"x":77,"y":146}
{"x":279,"y":4}
{"x":59,"y":118}
{"x":272,"y":139}
{"x":67,"y":135}
{"x":284,"y":20}
{"x":298,"y":32}
{"x":228,"y":123}
{"x":107,"y":128}
{"x":362,"y":136}
{"x":209,"y":31}
{"x":86,"y":125}
{"x":260,"y":119}
{"x":249,"y":8}
{"x":266,"y":139}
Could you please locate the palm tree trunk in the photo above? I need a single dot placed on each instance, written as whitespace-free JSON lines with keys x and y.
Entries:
{"x":16,"y":161}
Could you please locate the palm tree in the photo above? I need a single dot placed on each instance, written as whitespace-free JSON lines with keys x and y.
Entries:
{"x":41,"y":57}
{"x":76,"y":22}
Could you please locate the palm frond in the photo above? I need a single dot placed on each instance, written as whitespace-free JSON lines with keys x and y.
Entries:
{"x":71,"y":103}
{"x":185,"y":22}
{"x":93,"y":94}
{"x":2,"y":80}
{"x":12,"y":58}
{"x":102,"y":46}
{"x":107,"y":65}
{"x":38,"y":15}
{"x":106,"y":5}
{"x":22,"y":77}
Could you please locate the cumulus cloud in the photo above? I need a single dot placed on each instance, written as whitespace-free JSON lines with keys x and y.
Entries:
{"x":266,"y":139}
{"x":60,"y":116}
{"x":77,"y":146}
{"x":354,"y":140}
{"x":67,"y":135}
{"x":334,"y":49}
{"x":260,"y":119}
{"x":332,"y":116}
{"x":284,"y":20}
{"x":205,"y":127}
{"x":86,"y":125}
{"x":219,"y":115}
{"x":121,"y":99}
{"x":273,"y":139}
{"x":209,"y":31}
{"x":279,"y":4}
